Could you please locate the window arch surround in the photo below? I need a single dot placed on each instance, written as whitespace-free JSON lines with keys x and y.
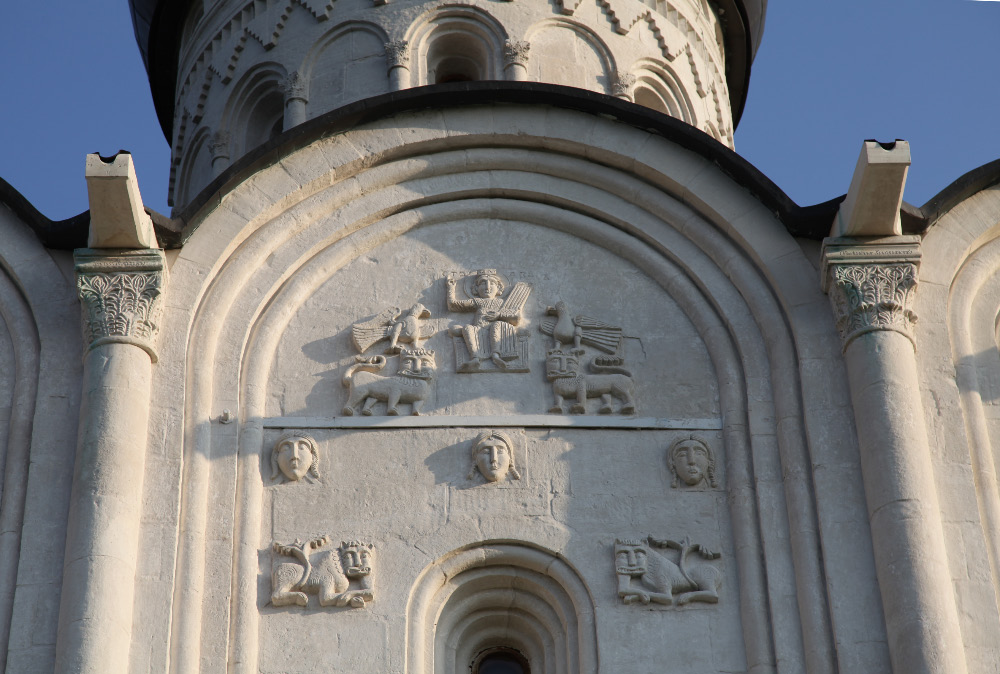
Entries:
{"x":456,"y":44}
{"x":501,"y":598}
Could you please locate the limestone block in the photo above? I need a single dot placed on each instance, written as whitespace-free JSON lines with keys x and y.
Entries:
{"x":117,"y":218}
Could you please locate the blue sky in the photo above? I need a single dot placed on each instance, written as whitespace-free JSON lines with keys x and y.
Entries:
{"x":828,"y":76}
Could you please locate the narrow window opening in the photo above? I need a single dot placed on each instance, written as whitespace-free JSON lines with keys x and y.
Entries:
{"x":500,"y":661}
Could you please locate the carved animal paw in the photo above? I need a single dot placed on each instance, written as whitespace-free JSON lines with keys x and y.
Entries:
{"x":347,"y":411}
{"x":578,"y":409}
{"x":367,"y":413}
{"x":555,"y":409}
{"x":628,"y":409}
{"x":357,"y":601}
{"x":392,"y":412}
{"x":605,"y":409}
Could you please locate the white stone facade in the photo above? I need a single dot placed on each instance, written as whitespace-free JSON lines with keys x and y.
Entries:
{"x":549,"y":379}
{"x":248,"y":70}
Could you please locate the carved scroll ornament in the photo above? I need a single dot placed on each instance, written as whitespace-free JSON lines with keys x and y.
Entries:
{"x":870,"y":297}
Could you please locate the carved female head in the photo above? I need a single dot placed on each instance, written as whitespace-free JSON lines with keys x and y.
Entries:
{"x":488,"y":284}
{"x":692,"y":462}
{"x":493,"y":456}
{"x":295,"y":456}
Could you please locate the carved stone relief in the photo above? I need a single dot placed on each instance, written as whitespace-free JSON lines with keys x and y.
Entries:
{"x":673,"y":579}
{"x":692,"y":463}
{"x":562,"y":369}
{"x":493,"y":457}
{"x":411,"y":384}
{"x":121,"y":297}
{"x":515,"y":52}
{"x":492,"y":342}
{"x":323,"y":571}
{"x":295,"y":456}
{"x":870,"y":297}
{"x":397,"y":325}
{"x":583,"y":331}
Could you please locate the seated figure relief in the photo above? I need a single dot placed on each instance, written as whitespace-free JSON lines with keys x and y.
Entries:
{"x":323,"y":571}
{"x":295,"y":456}
{"x":692,"y":463}
{"x":411,"y":384}
{"x":491,"y":342}
{"x":646,"y":575}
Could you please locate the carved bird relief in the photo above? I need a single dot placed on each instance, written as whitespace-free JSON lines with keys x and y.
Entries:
{"x":396,"y":325}
{"x":577,"y":330}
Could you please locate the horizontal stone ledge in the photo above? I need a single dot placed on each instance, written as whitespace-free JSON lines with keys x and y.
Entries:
{"x":512,"y":421}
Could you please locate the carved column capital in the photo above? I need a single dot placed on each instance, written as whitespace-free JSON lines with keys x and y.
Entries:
{"x":397,"y":54}
{"x":872,"y":284}
{"x":295,"y":87}
{"x":621,"y":84}
{"x":121,"y":292}
{"x":218,"y":145}
{"x":515,"y":52}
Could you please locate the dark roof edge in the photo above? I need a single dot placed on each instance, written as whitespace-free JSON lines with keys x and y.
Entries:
{"x":976,"y":180}
{"x":72,"y":232}
{"x":810,"y":222}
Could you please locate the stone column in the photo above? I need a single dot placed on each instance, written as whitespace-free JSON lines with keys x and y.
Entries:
{"x":218,"y":146}
{"x":515,"y":60}
{"x":621,"y":85}
{"x":871,"y":283}
{"x":397,"y":62}
{"x":296,"y":98}
{"x":120,"y":279}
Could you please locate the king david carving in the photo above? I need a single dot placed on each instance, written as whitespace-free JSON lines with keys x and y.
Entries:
{"x":492,"y":341}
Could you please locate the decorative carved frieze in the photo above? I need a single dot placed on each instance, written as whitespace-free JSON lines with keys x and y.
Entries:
{"x":296,"y":87}
{"x":323,"y":571}
{"x":515,"y":52}
{"x":692,"y":463}
{"x":871,"y":284}
{"x":493,"y":457}
{"x":492,"y":342}
{"x":411,"y":384}
{"x":397,"y":325}
{"x":121,"y":295}
{"x":296,"y":456}
{"x":666,"y":572}
{"x":397,"y":54}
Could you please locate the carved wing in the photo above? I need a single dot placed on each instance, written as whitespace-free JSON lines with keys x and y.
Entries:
{"x":367,"y":333}
{"x":598,"y":334}
{"x":548,"y":325}
{"x":515,"y":301}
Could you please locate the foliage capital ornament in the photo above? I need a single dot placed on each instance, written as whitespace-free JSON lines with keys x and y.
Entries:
{"x":121,"y":293}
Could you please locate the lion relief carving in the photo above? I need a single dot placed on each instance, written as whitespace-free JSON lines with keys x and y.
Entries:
{"x":645,"y":575}
{"x":324,"y":571}
{"x":411,"y":383}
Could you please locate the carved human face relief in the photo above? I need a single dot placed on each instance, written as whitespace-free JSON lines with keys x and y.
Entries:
{"x":294,"y":456}
{"x":493,"y":459}
{"x":630,"y":558}
{"x":418,"y":364}
{"x":356,"y":559}
{"x":692,"y":462}
{"x":488,"y":287}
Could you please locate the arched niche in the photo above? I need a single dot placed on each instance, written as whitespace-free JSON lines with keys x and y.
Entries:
{"x":500,"y":595}
{"x":40,"y":355}
{"x":726,"y":265}
{"x":567,"y":52}
{"x":958,"y":304}
{"x":346,"y":64}
{"x":254,"y":112}
{"x":657,"y":87}
{"x":456,"y":44}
